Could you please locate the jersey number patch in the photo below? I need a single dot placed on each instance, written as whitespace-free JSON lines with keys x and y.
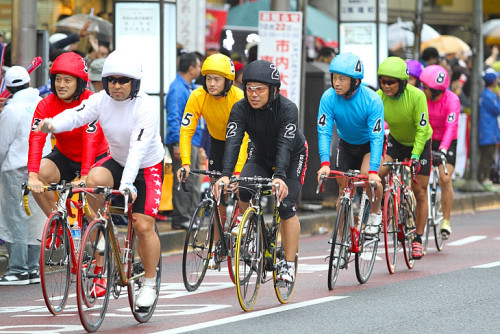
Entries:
{"x":423,"y":121}
{"x":186,"y":120}
{"x":92,"y":128}
{"x":451,"y":118}
{"x":378,"y":126}
{"x":290,"y":131}
{"x":322,"y":120}
{"x":231,"y":129}
{"x":36,"y":121}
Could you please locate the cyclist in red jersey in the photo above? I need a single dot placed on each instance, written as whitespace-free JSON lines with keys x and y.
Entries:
{"x":75,"y":151}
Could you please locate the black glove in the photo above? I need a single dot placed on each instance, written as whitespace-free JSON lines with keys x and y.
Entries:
{"x":415,"y":165}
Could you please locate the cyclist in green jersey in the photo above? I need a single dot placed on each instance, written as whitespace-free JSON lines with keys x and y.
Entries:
{"x":405,"y":111}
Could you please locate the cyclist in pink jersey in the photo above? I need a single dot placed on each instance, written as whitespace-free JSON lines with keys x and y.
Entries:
{"x":444,"y":109}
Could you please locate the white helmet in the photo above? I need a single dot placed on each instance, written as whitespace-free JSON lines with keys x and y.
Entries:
{"x":122,"y":63}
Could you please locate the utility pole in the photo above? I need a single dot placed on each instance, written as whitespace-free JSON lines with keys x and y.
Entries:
{"x":24,"y":18}
{"x":417,"y":29}
{"x":471,"y":183}
{"x":280,"y":5}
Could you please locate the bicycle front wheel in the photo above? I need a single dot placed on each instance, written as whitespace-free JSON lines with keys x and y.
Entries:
{"x":136,"y":281}
{"x":197,"y":247}
{"x":437,"y":216}
{"x":94,"y":267}
{"x":338,"y":253}
{"x":248,"y":260}
{"x":55,"y":263}
{"x":367,"y":245}
{"x":283,"y":290}
{"x":409,"y":226}
{"x":390,"y":232}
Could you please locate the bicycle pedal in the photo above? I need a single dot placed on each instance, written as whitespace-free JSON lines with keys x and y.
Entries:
{"x":142,"y":309}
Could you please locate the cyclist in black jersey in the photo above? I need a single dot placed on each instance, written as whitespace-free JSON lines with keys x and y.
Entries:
{"x":279,"y":149}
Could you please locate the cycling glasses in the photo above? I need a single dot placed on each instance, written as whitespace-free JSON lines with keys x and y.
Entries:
{"x":388,"y":82}
{"x":120,"y":80}
{"x":258,"y":89}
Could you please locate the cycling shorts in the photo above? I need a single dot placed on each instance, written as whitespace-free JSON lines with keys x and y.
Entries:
{"x":451,"y":154}
{"x":216,"y":154}
{"x":350,"y":156}
{"x":68,"y":169}
{"x":148,"y":182}
{"x":259,"y":165}
{"x":400,"y":152}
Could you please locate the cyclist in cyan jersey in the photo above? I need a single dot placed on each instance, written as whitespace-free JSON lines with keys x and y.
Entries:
{"x":444,"y":109}
{"x":75,"y":151}
{"x":213,"y":101}
{"x":279,"y":149}
{"x":358,"y":114}
{"x":130,"y":121}
{"x":405,"y":111}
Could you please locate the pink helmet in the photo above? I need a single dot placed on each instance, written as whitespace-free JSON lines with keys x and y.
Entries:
{"x":435,"y":77}
{"x":414,"y":67}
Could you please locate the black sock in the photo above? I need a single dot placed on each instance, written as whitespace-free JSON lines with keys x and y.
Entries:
{"x":418,"y":237}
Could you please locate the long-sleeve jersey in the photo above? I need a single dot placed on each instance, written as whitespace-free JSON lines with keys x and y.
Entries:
{"x":359,"y":120}
{"x":82,"y":144}
{"x":216,"y":114}
{"x":408,"y":118}
{"x":274,"y":133}
{"x":131,"y":127}
{"x":443,"y":116}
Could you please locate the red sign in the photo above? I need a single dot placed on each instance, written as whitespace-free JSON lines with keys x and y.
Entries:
{"x":215,"y":20}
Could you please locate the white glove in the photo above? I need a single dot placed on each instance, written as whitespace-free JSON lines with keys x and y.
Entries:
{"x":131,"y":189}
{"x":47,"y":126}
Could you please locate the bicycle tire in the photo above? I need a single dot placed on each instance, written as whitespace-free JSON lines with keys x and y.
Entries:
{"x":390,"y":232}
{"x":232,"y":242}
{"x":437,"y":216}
{"x":249,"y":259}
{"x":136,"y":267}
{"x":368,"y":245}
{"x":284,"y":291}
{"x":337,"y":248}
{"x":55,"y":263}
{"x":92,"y":308}
{"x":409,"y":225}
{"x":198,"y":245}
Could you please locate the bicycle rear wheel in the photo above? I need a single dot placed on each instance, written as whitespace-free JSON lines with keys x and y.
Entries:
{"x":91,"y":305}
{"x":249,"y":260}
{"x":55,"y":263}
{"x":409,"y":225}
{"x":368,"y":245}
{"x":136,"y":269}
{"x":197,"y":247}
{"x":390,"y":232}
{"x":437,"y":216}
{"x":338,"y":251}
{"x":284,"y":291}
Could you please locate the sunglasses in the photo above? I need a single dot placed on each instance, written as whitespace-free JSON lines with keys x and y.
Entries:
{"x":388,"y":82}
{"x":120,"y":80}
{"x":258,"y":89}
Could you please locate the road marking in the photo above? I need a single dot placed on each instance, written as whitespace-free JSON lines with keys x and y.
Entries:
{"x":250,"y":315}
{"x":487,"y":265}
{"x":468,"y":240}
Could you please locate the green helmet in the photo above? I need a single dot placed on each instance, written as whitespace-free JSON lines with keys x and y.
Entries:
{"x":394,"y":67}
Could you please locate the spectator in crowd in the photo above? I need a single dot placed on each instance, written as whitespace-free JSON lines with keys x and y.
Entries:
{"x":68,"y":42}
{"x":95,"y":75}
{"x":326,"y":55}
{"x":489,"y":132}
{"x":19,"y":231}
{"x":238,"y":68}
{"x":184,"y":203}
{"x":430,"y":56}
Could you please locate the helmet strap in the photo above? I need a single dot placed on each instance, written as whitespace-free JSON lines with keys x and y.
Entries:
{"x":354,"y":85}
{"x":402,"y":86}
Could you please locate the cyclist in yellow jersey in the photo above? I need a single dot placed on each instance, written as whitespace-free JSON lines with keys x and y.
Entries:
{"x":405,"y":111}
{"x":213,"y":101}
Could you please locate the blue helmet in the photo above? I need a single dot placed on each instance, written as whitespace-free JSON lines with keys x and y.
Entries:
{"x":348,"y":64}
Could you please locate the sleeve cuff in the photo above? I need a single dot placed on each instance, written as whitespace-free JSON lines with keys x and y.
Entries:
{"x":325,"y":163}
{"x":415,"y":156}
{"x":372,"y":172}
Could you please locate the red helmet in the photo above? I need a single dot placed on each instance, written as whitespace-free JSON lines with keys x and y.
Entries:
{"x":72,"y":64}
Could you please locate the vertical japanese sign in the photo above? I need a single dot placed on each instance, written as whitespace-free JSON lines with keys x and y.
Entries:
{"x":281,"y":43}
{"x":191,"y":25}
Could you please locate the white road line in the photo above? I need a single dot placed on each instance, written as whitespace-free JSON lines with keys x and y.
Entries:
{"x":487,"y":265}
{"x":250,"y":315}
{"x":468,"y":240}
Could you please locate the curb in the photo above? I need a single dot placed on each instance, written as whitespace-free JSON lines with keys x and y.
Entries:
{"x":317,"y":222}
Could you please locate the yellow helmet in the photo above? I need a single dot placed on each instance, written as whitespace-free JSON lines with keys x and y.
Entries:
{"x":219,"y":64}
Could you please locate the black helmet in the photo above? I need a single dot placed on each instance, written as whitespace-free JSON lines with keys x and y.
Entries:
{"x":265,"y":72}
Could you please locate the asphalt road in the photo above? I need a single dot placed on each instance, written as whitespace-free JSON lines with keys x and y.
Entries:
{"x":456,"y":290}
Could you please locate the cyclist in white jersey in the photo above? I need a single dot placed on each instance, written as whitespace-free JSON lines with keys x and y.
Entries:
{"x":129,"y":119}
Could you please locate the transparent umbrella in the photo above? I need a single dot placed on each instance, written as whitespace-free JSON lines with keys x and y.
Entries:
{"x":491,"y":30}
{"x":102,"y":28}
{"x":400,"y":34}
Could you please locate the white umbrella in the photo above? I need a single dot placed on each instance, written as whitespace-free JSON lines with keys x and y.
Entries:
{"x":400,"y":34}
